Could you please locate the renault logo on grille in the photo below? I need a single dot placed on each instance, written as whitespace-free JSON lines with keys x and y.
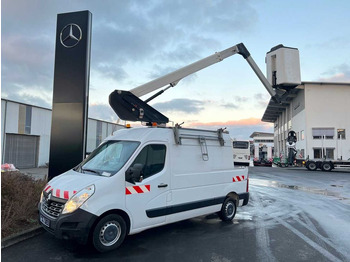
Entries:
{"x":70,"y":35}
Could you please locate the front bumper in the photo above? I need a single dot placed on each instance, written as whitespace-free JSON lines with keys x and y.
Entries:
{"x":76,"y":225}
{"x":245,"y":197}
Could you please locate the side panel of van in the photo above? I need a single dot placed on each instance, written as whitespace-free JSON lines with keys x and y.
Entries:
{"x":199,"y":185}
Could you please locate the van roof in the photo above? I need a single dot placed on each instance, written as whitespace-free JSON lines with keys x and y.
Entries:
{"x":143,"y":134}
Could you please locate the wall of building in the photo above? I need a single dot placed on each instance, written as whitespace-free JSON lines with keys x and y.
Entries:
{"x":37,"y":122}
{"x":316,"y":105}
{"x":327,"y":106}
{"x":41,"y":126}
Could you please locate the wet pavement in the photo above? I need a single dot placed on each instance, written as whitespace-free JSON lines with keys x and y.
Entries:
{"x":292,"y":215}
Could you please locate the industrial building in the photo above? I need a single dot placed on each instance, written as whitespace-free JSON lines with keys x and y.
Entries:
{"x":263,"y":145}
{"x":319,"y":114}
{"x":25,"y":134}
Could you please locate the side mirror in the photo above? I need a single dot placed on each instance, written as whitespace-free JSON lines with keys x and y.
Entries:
{"x":134,"y":173}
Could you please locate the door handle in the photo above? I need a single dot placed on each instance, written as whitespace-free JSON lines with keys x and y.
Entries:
{"x":162,"y":185}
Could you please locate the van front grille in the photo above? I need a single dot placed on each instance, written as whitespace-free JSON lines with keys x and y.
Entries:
{"x":51,"y":207}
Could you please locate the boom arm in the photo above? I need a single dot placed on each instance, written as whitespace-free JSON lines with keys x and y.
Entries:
{"x":173,"y":78}
{"x":129,"y":106}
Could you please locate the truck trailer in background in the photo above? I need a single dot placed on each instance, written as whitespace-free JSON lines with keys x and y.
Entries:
{"x":263,"y":148}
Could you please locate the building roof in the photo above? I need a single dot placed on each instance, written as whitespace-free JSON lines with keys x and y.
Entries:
{"x":274,"y":109}
{"x":255,"y":134}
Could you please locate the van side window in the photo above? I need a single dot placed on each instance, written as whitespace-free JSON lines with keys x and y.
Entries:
{"x":152,"y":157}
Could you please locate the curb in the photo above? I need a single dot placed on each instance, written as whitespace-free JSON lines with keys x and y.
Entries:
{"x":21,"y":236}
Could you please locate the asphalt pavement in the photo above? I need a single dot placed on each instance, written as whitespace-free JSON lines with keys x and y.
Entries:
{"x":292,"y":215}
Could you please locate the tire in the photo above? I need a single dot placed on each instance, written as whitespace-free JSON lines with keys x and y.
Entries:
{"x":311,"y":165}
{"x":228,"y":210}
{"x":327,"y":166}
{"x":109,"y":233}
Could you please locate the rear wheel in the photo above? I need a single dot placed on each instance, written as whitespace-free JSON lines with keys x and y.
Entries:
{"x":228,"y":209}
{"x":109,"y":233}
{"x":311,"y":165}
{"x":326,"y":166}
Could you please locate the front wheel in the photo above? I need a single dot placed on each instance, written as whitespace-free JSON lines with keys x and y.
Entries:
{"x":228,"y":209}
{"x":109,"y":233}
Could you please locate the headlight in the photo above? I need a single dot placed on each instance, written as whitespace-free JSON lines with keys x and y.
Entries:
{"x":41,"y":197}
{"x":78,"y":199}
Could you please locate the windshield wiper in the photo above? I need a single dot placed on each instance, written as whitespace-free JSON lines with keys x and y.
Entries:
{"x":90,"y":170}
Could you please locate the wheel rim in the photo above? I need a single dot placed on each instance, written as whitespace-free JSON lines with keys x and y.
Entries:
{"x":230,"y":209}
{"x":312,"y":165}
{"x":110,"y":233}
{"x":326,"y":167}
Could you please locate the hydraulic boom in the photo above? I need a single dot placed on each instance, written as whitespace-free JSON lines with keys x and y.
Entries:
{"x":128,"y":106}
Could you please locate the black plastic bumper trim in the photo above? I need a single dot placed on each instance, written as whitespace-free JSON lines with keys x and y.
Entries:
{"x":245,"y":197}
{"x":163,"y":211}
{"x":76,"y":225}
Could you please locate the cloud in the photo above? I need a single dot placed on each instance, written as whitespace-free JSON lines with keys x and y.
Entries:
{"x":102,"y":112}
{"x":180,"y":105}
{"x":241,"y":99}
{"x":340,"y":73}
{"x":261,"y":100}
{"x":239,"y":129}
{"x":125,"y":34}
{"x":242,"y":122}
{"x":230,"y":106}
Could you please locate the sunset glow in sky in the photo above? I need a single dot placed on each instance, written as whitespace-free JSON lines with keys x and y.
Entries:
{"x":134,"y":42}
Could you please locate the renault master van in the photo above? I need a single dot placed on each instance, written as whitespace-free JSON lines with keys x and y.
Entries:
{"x":141,"y":178}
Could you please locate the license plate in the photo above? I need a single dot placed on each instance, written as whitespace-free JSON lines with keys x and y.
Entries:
{"x":45,"y":221}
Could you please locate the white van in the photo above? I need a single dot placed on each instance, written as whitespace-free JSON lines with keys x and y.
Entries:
{"x":141,"y":178}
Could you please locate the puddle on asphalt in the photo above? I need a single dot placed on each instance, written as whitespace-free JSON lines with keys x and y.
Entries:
{"x":268,"y":183}
{"x":243,"y":216}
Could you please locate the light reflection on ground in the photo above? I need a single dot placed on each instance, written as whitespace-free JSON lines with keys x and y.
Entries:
{"x":325,"y":192}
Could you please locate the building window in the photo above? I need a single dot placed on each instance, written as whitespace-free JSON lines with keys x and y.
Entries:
{"x":317,"y":153}
{"x":330,"y":153}
{"x":323,"y":133}
{"x":302,"y":135}
{"x":327,"y":153}
{"x":341,"y":134}
{"x":263,"y":141}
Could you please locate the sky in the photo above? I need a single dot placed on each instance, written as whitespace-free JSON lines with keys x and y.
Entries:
{"x":136,"y":41}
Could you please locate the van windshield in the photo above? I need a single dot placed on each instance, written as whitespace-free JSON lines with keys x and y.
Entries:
{"x":108,"y":158}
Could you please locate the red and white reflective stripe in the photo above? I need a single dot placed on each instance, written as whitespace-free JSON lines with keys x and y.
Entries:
{"x":47,"y":188}
{"x":237,"y":178}
{"x":130,"y":190}
{"x":58,"y":193}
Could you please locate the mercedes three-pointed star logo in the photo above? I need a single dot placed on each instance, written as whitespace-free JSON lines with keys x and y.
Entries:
{"x":70,"y":35}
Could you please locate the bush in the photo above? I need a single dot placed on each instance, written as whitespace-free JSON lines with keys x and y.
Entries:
{"x":20,"y":195}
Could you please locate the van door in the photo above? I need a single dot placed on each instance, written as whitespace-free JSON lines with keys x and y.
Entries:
{"x":146,"y":199}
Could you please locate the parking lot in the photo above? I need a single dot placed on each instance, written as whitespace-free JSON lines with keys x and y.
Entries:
{"x":293,"y":215}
